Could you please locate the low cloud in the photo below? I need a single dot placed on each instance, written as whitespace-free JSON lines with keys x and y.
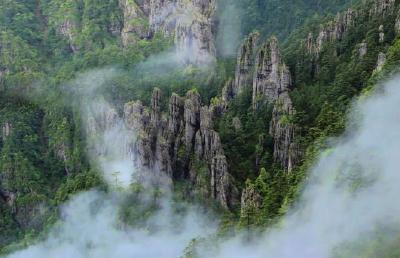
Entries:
{"x":351,"y":192}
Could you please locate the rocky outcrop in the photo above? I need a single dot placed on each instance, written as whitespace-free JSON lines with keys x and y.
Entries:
{"x":63,"y":151}
{"x":271,"y":84}
{"x":381,"y":34}
{"x":271,"y":76}
{"x":381,"y":62}
{"x":194,"y":32}
{"x":362,"y":50}
{"x":335,"y":30}
{"x":183,"y":144}
{"x":68,"y":29}
{"x":228,"y":92}
{"x":331,"y":31}
{"x":6,"y":130}
{"x":382,"y":7}
{"x":397,"y":23}
{"x":190,"y":23}
{"x":222,"y":188}
{"x":137,"y":119}
{"x":135,"y":22}
{"x":191,"y":118}
{"x":284,"y":133}
{"x":245,"y":64}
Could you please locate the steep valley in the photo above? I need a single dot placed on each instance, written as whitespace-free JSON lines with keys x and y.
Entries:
{"x":199,"y":128}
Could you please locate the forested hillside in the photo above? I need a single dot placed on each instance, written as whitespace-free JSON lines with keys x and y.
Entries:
{"x":235,"y":133}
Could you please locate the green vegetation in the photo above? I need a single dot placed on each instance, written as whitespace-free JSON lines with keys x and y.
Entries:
{"x":282,"y":17}
{"x":42,"y":145}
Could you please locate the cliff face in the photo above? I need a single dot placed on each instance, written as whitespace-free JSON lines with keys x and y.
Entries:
{"x":286,"y":150}
{"x":336,"y":29}
{"x":245,"y":63}
{"x":271,"y":76}
{"x":135,"y":24}
{"x":190,"y":23}
{"x":262,"y":70}
{"x":183,"y":145}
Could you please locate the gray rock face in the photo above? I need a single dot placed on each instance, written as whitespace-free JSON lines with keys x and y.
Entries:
{"x":284,"y":132}
{"x":397,"y":23}
{"x":245,"y":64}
{"x":271,"y":84}
{"x":310,"y":46}
{"x":332,"y":31}
{"x":6,"y":130}
{"x":183,"y":145}
{"x":381,"y":62}
{"x":343,"y":22}
{"x":192,"y":117}
{"x":176,"y":114}
{"x":193,"y":30}
{"x":222,"y":188}
{"x":155,"y":116}
{"x":188,"y":22}
{"x":208,"y":143}
{"x":137,"y":119}
{"x":362,"y":50}
{"x":228,"y":92}
{"x":335,"y":29}
{"x":68,"y":30}
{"x":63,"y":151}
{"x":135,"y":24}
{"x":381,"y":34}
{"x":382,"y":7}
{"x":271,"y":76}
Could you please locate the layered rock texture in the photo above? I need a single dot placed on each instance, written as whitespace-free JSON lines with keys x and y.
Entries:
{"x":190,"y":23}
{"x":261,"y":70}
{"x":335,"y":30}
{"x":271,"y":77}
{"x":245,"y":63}
{"x":183,"y":144}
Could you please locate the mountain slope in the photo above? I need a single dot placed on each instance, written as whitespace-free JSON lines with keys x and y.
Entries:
{"x":236,"y":133}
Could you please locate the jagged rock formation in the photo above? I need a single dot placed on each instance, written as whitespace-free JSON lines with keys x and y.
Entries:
{"x":135,"y":24}
{"x":271,"y":76}
{"x":332,"y":31}
{"x":188,"y":22}
{"x":68,"y":30}
{"x":183,"y":145}
{"x":271,"y":82}
{"x":228,"y":92}
{"x":381,"y":34}
{"x":335,"y":29}
{"x":397,"y":23}
{"x":362,"y":49}
{"x":381,"y":62}
{"x":284,"y":132}
{"x":6,"y":130}
{"x":245,"y":64}
{"x":137,"y":119}
{"x":382,"y":7}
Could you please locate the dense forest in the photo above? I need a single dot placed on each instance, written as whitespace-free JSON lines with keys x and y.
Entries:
{"x":230,"y":102}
